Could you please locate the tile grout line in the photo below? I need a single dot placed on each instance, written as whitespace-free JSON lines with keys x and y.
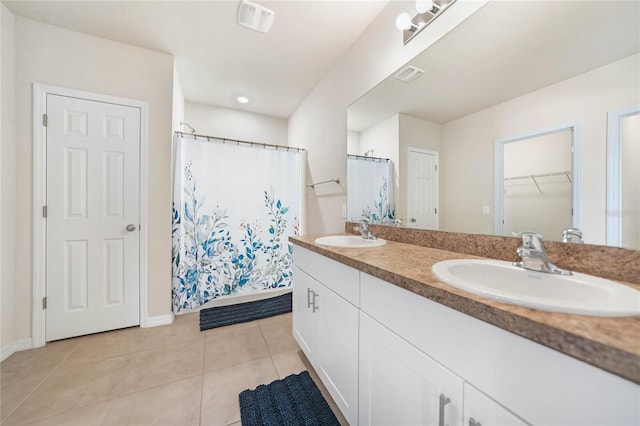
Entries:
{"x":118,"y":395}
{"x":204,"y":357}
{"x":264,"y":339}
{"x":42,"y":381}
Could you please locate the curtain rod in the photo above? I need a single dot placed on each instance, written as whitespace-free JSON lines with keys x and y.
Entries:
{"x":364,"y":157}
{"x":238,"y":142}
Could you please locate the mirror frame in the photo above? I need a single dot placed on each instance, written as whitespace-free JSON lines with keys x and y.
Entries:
{"x":614,"y":173}
{"x":498,"y":172}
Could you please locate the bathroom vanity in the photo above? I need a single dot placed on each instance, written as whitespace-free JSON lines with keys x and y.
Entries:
{"x":394,"y":346}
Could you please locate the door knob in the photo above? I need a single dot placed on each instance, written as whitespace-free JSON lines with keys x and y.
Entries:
{"x":130,"y":227}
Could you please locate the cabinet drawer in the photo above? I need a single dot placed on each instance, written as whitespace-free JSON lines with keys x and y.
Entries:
{"x":341,"y":279}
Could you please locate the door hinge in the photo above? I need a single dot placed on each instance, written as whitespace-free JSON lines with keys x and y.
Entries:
{"x":44,"y":120}
{"x":44,"y":303}
{"x":436,"y":166}
{"x":435,"y":210}
{"x":44,"y":211}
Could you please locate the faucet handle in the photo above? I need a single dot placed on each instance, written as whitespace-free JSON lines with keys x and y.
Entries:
{"x":572,"y":235}
{"x":529,"y":238}
{"x":527,"y":234}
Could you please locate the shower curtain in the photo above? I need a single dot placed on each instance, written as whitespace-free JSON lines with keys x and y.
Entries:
{"x":370,"y":190}
{"x":234,"y":207}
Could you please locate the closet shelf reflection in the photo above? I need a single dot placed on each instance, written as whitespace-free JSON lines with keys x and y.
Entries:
{"x":535,"y":177}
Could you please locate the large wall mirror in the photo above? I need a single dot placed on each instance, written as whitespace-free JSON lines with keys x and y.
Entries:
{"x":510,"y":69}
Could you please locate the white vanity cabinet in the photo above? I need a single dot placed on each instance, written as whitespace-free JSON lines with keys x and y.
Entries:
{"x":480,"y":410}
{"x":304,"y":318}
{"x":325,"y":324}
{"x":391,"y":357}
{"x":400,"y":385}
{"x":514,"y":380}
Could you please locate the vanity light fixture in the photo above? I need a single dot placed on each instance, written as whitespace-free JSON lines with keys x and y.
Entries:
{"x":428,"y":10}
{"x":254,"y":16}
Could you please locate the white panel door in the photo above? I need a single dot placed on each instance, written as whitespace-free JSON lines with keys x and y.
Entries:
{"x":422,"y":189}
{"x":93,"y":246}
{"x":402,"y":386}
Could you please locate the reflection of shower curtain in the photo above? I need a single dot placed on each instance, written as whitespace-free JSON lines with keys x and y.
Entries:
{"x":234,"y":207}
{"x":370,"y":190}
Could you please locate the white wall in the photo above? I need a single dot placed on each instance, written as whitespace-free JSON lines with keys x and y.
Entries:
{"x":319,"y":124}
{"x":7,"y":182}
{"x":469,"y":142}
{"x":55,"y":56}
{"x":353,"y":142}
{"x":235,"y":124}
{"x":178,"y":102}
{"x":383,"y":139}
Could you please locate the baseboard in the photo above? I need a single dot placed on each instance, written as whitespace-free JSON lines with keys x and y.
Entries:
{"x":15,"y":346}
{"x":157,"y":320}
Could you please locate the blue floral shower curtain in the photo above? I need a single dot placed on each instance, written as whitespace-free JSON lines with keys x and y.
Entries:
{"x":234,"y":207}
{"x":370,"y":190}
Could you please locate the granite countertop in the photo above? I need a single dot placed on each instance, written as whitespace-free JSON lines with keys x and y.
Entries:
{"x":612,"y":344}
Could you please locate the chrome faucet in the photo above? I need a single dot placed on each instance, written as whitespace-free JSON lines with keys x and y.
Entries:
{"x":534,"y":255}
{"x":364,"y":230}
{"x":572,"y":235}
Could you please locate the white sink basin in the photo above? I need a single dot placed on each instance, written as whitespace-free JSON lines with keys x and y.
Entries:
{"x":575,"y":294}
{"x":349,"y":241}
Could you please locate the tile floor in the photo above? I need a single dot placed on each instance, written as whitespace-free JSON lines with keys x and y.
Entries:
{"x":169,"y":375}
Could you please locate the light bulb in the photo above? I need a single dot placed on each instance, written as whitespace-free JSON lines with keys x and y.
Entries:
{"x":403,"y":21}
{"x":242,"y":99}
{"x":423,"y":6}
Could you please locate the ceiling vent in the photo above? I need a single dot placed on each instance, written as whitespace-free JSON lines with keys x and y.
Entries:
{"x":409,"y":73}
{"x":254,"y":16}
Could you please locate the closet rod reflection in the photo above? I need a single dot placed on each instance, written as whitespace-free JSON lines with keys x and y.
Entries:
{"x":238,"y":142}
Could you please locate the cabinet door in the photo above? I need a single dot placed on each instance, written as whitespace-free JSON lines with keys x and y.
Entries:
{"x":480,"y":410}
{"x":400,"y":385}
{"x":337,"y":350}
{"x":304,"y":322}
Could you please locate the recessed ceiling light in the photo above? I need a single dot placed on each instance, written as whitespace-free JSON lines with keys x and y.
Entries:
{"x":242,"y":99}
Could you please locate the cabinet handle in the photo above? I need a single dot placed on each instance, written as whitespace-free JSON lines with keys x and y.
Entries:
{"x":474,"y":422}
{"x":309,"y":291}
{"x":315,"y":308}
{"x":443,"y":401}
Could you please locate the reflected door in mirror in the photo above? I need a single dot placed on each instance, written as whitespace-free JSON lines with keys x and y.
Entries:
{"x":630,"y":181}
{"x":422,"y":189}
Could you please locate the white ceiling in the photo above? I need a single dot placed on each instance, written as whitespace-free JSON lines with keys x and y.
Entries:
{"x":217,"y":59}
{"x":505,"y":50}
